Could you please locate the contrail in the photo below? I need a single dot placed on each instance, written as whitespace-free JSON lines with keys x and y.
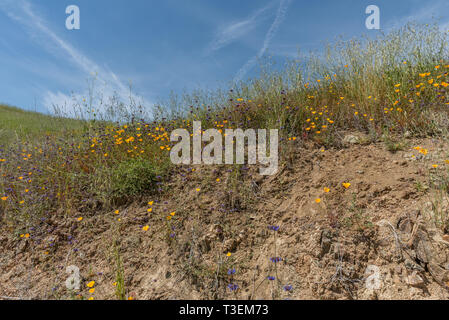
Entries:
{"x":280,"y":16}
{"x":22,"y":12}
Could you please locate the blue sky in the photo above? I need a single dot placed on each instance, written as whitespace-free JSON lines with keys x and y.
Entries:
{"x":170,"y":45}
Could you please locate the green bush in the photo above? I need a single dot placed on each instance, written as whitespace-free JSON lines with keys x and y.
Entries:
{"x":134,"y":177}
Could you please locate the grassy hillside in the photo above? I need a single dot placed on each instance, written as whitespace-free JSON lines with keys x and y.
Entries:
{"x":19,"y":124}
{"x":363,"y":131}
{"x":387,"y":87}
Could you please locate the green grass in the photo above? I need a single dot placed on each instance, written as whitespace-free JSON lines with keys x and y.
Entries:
{"x":18,"y":124}
{"x":391,"y":85}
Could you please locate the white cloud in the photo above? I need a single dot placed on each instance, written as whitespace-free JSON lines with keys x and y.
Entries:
{"x":432,"y":11}
{"x":280,"y":16}
{"x":230,"y":33}
{"x":22,"y":12}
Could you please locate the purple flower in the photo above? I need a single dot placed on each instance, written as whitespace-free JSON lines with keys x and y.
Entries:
{"x":231,"y":271}
{"x":233,"y":286}
{"x":288,"y":288}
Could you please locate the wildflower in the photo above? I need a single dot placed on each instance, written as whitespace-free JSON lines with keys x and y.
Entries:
{"x":271,"y":278}
{"x":276,"y":259}
{"x":233,"y":287}
{"x":146,"y":228}
{"x":218,"y":180}
{"x":346,"y":185}
{"x":318,"y":200}
{"x":198,"y":189}
{"x":274,"y":228}
{"x":150,"y":203}
{"x":150,"y":210}
{"x":116,"y":212}
{"x":91,"y":284}
{"x":447,"y":161}
{"x":80,"y":219}
{"x":231,"y":271}
{"x":228,"y":254}
{"x":423,"y":151}
{"x":435,"y":166}
{"x":92,"y":290}
{"x":173,"y":213}
{"x":288,"y":288}
{"x":91,"y":298}
{"x":327,"y":190}
{"x":4,"y":198}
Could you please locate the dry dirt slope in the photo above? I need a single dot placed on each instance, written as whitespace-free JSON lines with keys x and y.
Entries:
{"x":376,"y":239}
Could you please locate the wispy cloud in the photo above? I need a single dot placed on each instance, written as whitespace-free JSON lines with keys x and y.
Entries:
{"x":22,"y":12}
{"x":424,"y":13}
{"x":280,"y":16}
{"x":237,"y":29}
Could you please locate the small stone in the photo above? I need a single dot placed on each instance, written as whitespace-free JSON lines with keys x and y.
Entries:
{"x":351,"y":139}
{"x":415,"y":280}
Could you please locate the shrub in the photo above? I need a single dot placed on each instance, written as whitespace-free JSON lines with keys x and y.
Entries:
{"x":134,"y":177}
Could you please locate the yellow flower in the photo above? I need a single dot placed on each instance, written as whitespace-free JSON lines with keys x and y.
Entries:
{"x":423,"y":151}
{"x":318,"y":200}
{"x":150,"y":203}
{"x":150,"y":209}
{"x":91,"y":284}
{"x":116,"y":212}
{"x":80,"y":219}
{"x":435,"y":166}
{"x":346,"y":185}
{"x":218,"y":180}
{"x":447,"y":161}
{"x":4,"y":198}
{"x":91,"y":298}
{"x":198,"y":189}
{"x":92,"y":290}
{"x":228,"y":254}
{"x":327,"y":190}
{"x":146,"y":228}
